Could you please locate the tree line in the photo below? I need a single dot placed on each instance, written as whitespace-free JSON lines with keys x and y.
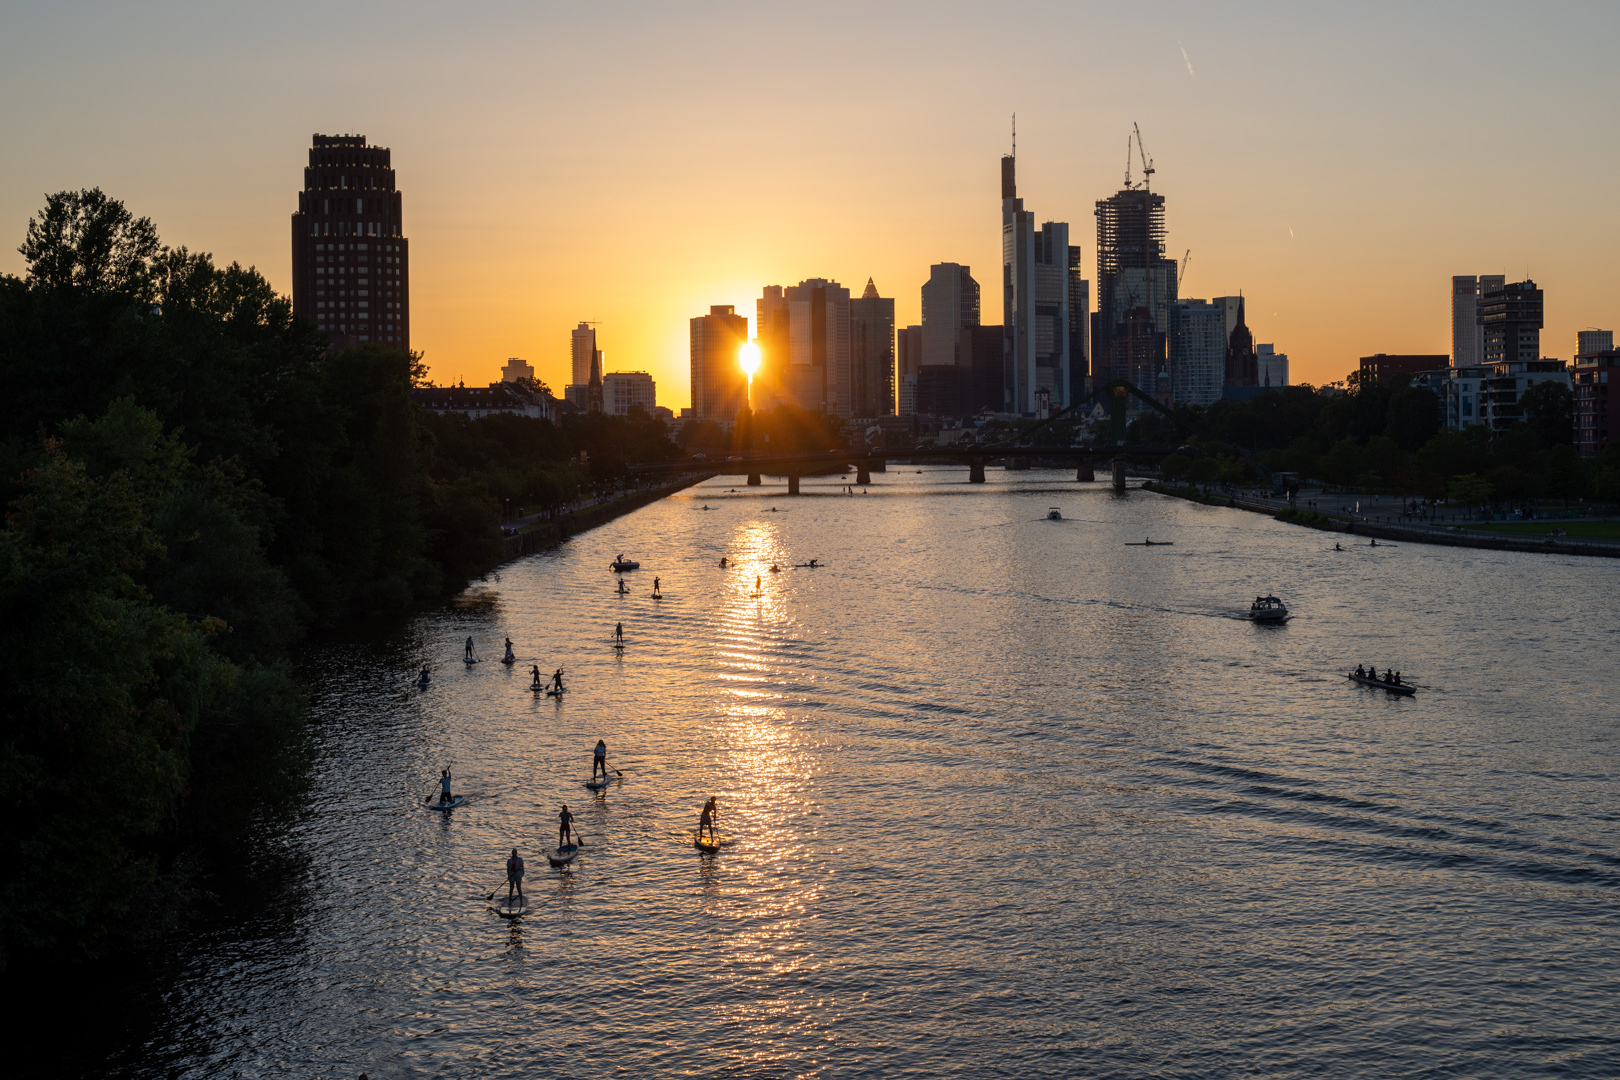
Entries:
{"x":1385,"y":437}
{"x":195,"y":484}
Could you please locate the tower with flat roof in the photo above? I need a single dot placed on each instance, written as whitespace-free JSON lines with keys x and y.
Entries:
{"x":350,"y":257}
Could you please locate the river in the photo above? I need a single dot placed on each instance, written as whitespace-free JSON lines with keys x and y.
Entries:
{"x":1002,"y":796}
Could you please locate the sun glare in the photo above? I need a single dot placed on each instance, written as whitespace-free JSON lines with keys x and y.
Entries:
{"x":748,"y":358}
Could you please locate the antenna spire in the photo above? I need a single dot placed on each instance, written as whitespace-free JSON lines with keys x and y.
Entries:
{"x":1015,"y":135}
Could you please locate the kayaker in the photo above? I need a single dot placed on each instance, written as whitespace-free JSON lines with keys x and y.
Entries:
{"x":514,"y":875}
{"x":565,"y":827}
{"x":599,"y":760}
{"x":707,"y":818}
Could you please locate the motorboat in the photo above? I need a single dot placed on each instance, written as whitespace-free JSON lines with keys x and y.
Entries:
{"x":1268,"y":609}
{"x":621,"y":565}
{"x":1054,"y":514}
{"x":1404,"y":689}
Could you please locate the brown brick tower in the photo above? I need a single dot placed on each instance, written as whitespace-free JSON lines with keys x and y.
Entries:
{"x":351,"y":261}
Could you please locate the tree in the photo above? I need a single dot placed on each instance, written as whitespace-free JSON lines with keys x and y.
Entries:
{"x":1469,"y":489}
{"x":1549,"y":412}
{"x":85,"y":240}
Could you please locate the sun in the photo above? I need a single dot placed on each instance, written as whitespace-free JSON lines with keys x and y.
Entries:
{"x":748,"y":358}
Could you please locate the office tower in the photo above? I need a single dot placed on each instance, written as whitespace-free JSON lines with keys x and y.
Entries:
{"x":1467,"y":346}
{"x":516,"y":369}
{"x":583,"y":348}
{"x":1197,"y":346}
{"x":350,"y":259}
{"x":623,"y":390}
{"x":1273,"y":366}
{"x":980,"y":367}
{"x":950,"y":301}
{"x":719,"y":386}
{"x":871,"y":354}
{"x":1136,"y":285}
{"x":1592,"y":342}
{"x":817,"y":373}
{"x":1510,"y":316}
{"x":1037,"y":269}
{"x":908,"y":361}
{"x":771,"y":334}
{"x":1079,"y":329}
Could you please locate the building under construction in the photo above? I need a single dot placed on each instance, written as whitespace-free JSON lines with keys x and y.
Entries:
{"x":1136,"y":285}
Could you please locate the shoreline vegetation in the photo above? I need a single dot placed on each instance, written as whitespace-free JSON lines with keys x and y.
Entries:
{"x":196,"y":486}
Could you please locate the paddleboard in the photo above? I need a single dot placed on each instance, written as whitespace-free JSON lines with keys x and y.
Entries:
{"x":445,"y":807}
{"x":422,"y":684}
{"x":555,"y":693}
{"x":509,"y":909}
{"x":597,"y":785}
{"x":562,"y":856}
{"x":508,"y":660}
{"x":704,"y":846}
{"x":468,"y":662}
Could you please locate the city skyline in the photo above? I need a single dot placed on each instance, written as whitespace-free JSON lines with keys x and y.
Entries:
{"x":1289,"y":158}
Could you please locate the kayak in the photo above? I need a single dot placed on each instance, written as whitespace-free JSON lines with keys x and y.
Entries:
{"x":446,"y":807}
{"x":705,"y":846}
{"x":1379,"y":684}
{"x":562,"y":856}
{"x":510,"y":908}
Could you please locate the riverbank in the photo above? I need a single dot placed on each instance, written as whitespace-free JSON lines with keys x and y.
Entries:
{"x":547,"y":533}
{"x":1450,"y":536}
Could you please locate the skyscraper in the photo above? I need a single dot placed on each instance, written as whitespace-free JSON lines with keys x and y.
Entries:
{"x":950,"y":301}
{"x":871,"y":354}
{"x":1273,"y":366}
{"x":350,"y":258}
{"x":719,"y":386}
{"x":1038,"y":268}
{"x":1510,"y":316}
{"x":1467,"y":345}
{"x":583,"y":351}
{"x":1136,"y":285}
{"x":908,"y":362}
{"x":817,"y":376}
{"x":1197,"y":345}
{"x":771,"y":332}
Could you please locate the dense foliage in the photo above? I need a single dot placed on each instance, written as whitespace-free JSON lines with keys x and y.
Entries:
{"x":1386,"y":437}
{"x":195,"y":483}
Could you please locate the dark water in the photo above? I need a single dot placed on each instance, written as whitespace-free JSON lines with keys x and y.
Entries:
{"x":1002,"y":796}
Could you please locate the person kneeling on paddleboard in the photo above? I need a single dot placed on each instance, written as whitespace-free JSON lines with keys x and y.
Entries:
{"x":444,"y":786}
{"x":706,"y":819}
{"x":565,"y":827}
{"x":599,"y":761}
{"x":514,"y":875}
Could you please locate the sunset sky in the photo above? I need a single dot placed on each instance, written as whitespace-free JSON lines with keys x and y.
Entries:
{"x":634,"y":163}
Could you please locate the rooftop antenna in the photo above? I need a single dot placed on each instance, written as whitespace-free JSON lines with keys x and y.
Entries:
{"x":1015,"y":135}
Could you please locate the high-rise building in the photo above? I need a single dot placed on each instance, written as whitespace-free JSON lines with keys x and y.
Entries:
{"x":516,"y":369}
{"x":1595,"y":380}
{"x":1510,"y":316}
{"x":771,"y":333}
{"x":350,"y":259}
{"x":817,"y":374}
{"x":1273,"y":366}
{"x":1038,"y":270}
{"x":908,"y":362}
{"x":950,"y":301}
{"x":1198,"y":341}
{"x":871,"y":354}
{"x":1136,"y":285}
{"x":583,"y":351}
{"x":1592,"y":342}
{"x":719,"y":386}
{"x":623,"y":390}
{"x":1382,"y":367}
{"x":1467,"y":346}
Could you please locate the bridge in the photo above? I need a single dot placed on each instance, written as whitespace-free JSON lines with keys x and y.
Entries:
{"x":870,"y":459}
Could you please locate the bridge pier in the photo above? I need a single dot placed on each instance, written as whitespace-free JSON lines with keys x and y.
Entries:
{"x":753,"y":479}
{"x":1119,"y":476}
{"x":793,"y":483}
{"x":1085,"y":473}
{"x":976,"y":470}
{"x":863,"y":473}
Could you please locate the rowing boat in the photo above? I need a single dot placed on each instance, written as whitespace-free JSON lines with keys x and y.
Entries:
{"x":1379,"y":684}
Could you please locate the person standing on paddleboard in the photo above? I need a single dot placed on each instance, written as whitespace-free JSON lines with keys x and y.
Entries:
{"x":534,"y":673}
{"x":444,"y":786}
{"x":514,"y":876}
{"x":469,"y":655}
{"x":509,"y":657}
{"x":618,"y":633}
{"x":707,"y":818}
{"x":556,"y":681}
{"x":599,"y":761}
{"x":565,"y":827}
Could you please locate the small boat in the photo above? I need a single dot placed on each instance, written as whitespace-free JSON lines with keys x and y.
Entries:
{"x":1150,"y":543}
{"x":446,"y":807}
{"x":1268,"y":609}
{"x":562,"y":856}
{"x":621,"y":565}
{"x":1054,"y":514}
{"x":1404,"y":689}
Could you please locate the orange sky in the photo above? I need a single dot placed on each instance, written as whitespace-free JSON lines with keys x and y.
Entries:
{"x":635,"y":163}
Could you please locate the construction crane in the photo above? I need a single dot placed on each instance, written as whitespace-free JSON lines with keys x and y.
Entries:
{"x":1181,"y":278}
{"x":1147,"y":162}
{"x":1127,"y":163}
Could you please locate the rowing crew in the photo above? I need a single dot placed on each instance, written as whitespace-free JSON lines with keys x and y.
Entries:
{"x":1393,"y":678}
